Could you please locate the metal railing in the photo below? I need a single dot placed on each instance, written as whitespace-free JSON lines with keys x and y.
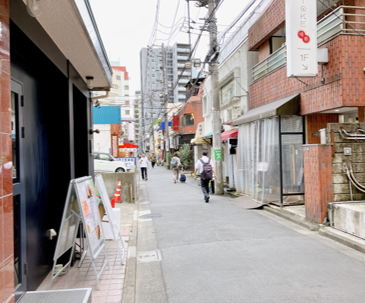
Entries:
{"x":275,"y":60}
{"x":343,"y":20}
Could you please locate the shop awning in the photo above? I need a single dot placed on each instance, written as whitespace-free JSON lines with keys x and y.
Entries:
{"x":127,"y":145}
{"x":233,"y":133}
{"x":209,"y":135}
{"x":286,"y":106}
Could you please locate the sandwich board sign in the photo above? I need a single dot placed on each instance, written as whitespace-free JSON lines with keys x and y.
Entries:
{"x":301,"y":38}
{"x":80,"y":205}
{"x":115,"y":228}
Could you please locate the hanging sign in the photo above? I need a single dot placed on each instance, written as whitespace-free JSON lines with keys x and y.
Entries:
{"x":218,"y":155}
{"x":301,"y":38}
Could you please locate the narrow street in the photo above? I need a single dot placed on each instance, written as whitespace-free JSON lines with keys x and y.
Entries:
{"x":221,"y":252}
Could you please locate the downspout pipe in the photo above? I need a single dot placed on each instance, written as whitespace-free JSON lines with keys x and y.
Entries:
{"x":93,"y":99}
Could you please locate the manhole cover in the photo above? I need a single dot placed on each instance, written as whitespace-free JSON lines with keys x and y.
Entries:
{"x":150,"y":216}
{"x":149,"y":256}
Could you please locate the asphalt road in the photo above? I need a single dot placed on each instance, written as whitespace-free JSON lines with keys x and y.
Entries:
{"x":220,"y":252}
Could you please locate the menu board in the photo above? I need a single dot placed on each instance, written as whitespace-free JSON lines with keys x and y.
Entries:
{"x":107,"y":205}
{"x":90,"y":214}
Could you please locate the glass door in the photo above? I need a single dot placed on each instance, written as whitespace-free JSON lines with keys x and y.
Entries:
{"x":18,"y":133}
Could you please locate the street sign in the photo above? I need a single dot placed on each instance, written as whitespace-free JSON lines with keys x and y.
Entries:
{"x":301,"y":35}
{"x":218,"y":155}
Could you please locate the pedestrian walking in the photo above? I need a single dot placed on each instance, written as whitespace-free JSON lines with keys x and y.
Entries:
{"x":144,"y":166}
{"x":176,"y":166}
{"x":205,"y":166}
{"x":152,"y":158}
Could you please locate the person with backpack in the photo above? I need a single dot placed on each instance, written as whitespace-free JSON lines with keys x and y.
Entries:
{"x":206,"y":170}
{"x":175,"y":164}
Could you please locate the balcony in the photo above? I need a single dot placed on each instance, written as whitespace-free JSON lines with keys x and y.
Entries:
{"x":183,"y":50}
{"x":341,"y":21}
{"x":182,"y":58}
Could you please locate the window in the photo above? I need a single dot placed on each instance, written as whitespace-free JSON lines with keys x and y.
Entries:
{"x":153,"y":83}
{"x":118,"y":77}
{"x":104,"y":157}
{"x":226,"y":93}
{"x":153,"y":75}
{"x":95,"y":156}
{"x":126,"y":102}
{"x":126,"y":87}
{"x":189,"y":119}
{"x":115,"y":86}
{"x":127,"y":112}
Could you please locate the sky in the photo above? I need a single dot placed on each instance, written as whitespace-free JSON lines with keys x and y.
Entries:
{"x":126,"y":27}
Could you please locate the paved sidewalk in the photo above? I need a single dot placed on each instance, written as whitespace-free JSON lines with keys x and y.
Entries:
{"x":220,"y":252}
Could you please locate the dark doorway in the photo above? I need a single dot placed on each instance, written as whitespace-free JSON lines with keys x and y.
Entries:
{"x":19,"y":207}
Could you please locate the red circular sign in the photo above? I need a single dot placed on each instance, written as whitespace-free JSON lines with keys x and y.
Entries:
{"x":303,"y":36}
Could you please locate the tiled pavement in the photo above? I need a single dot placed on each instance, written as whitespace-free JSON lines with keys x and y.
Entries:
{"x":111,"y":281}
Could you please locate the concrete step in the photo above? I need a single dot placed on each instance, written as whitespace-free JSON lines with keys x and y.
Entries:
{"x":349,"y":217}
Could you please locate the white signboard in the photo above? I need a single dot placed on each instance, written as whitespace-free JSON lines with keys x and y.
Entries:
{"x":131,"y":132}
{"x":301,"y":38}
{"x":91,"y":215}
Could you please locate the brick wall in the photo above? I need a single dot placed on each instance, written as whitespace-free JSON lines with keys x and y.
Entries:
{"x":315,"y":122}
{"x":6,"y":180}
{"x":318,"y":181}
{"x":194,"y":107}
{"x":268,"y":24}
{"x":344,"y":80}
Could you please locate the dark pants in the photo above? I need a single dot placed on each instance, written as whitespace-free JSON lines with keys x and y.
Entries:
{"x":205,"y":187}
{"x":144,"y":172}
{"x":153,"y":164}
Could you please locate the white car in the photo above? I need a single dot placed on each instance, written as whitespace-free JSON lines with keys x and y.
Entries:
{"x":107,"y":163}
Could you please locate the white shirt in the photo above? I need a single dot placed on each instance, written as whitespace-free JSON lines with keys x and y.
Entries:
{"x":144,"y":162}
{"x":199,"y":164}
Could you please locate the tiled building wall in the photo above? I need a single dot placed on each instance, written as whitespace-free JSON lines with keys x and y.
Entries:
{"x":318,"y":181}
{"x":344,"y":81}
{"x":268,"y":24}
{"x":315,"y":122}
{"x":194,"y":107}
{"x":6,"y":181}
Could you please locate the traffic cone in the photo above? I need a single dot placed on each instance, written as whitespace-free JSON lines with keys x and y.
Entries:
{"x":112,"y":202}
{"x":117,"y":192}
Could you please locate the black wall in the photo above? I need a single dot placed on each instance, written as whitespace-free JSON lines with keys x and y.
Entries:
{"x":55,"y":111}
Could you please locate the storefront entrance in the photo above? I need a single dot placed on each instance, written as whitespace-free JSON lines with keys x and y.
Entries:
{"x":17,"y":129}
{"x":270,"y":159}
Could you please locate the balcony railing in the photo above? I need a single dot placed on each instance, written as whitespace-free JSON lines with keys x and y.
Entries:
{"x":343,"y":20}
{"x":272,"y":62}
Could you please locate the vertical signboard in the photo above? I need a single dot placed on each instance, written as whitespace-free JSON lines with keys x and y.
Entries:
{"x":301,"y":38}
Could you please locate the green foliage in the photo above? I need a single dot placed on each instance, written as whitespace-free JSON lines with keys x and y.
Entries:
{"x":186,"y":155}
{"x":136,"y":111}
{"x":156,"y":122}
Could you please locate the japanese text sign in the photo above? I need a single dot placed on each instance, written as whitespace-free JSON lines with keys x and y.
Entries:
{"x":301,"y":38}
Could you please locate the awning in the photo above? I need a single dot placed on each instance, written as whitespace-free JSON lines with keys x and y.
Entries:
{"x":209,"y":135}
{"x":233,"y":133}
{"x":127,"y":145}
{"x":286,"y":106}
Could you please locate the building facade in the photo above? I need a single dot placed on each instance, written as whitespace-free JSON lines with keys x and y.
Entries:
{"x":289,"y":112}
{"x":43,"y":78}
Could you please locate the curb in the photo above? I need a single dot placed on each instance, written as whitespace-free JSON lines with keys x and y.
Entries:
{"x":129,"y":287}
{"x":292,"y":217}
{"x":343,"y":238}
{"x":325,"y":231}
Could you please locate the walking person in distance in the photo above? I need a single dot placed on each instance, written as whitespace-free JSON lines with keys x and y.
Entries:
{"x":152,"y":158}
{"x":206,"y":170}
{"x":144,"y":166}
{"x":175,"y":165}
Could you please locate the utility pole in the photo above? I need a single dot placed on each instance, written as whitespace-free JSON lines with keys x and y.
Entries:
{"x":216,"y":119}
{"x":165,"y":99}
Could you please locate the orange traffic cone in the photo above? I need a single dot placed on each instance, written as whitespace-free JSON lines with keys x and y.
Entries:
{"x":117,"y":192}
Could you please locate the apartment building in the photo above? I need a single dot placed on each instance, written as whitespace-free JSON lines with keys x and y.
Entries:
{"x":182,"y":75}
{"x":287,"y":113}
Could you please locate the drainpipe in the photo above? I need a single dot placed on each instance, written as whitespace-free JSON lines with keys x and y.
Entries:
{"x":100,"y":97}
